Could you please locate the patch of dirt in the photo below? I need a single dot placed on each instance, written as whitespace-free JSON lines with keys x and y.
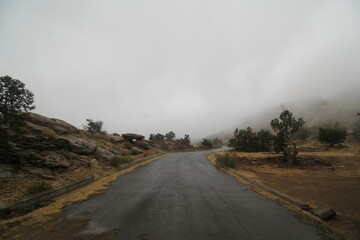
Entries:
{"x":330,"y":178}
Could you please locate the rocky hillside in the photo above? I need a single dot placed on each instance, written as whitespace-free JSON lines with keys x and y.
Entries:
{"x":48,"y":147}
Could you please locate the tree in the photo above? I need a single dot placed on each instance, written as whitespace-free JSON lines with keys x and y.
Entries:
{"x":332,"y":136}
{"x":285,"y":127}
{"x":15,"y":100}
{"x":265,"y":140}
{"x":170,"y":136}
{"x":94,"y":126}
{"x":157,"y":138}
{"x":206,"y":143}
{"x":217,"y":142}
{"x":356,"y":129}
{"x":186,"y":140}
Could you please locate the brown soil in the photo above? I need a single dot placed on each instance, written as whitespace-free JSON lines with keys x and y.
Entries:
{"x":329,"y":178}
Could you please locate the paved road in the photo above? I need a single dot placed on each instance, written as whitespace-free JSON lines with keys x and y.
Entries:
{"x":183,"y":196}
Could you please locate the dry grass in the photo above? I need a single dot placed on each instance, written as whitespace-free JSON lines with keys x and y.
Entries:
{"x":336,"y":185}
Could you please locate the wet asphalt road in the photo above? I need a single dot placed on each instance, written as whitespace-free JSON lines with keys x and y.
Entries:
{"x":183,"y":196}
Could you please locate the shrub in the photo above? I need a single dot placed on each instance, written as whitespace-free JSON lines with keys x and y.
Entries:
{"x":356,"y":130}
{"x":37,"y":187}
{"x":227,"y":160}
{"x":94,"y":126}
{"x":134,"y":151}
{"x":332,"y":136}
{"x":116,"y":161}
{"x":246,"y":140}
{"x":206,"y":143}
{"x":125,"y":152}
{"x":127,"y":145}
{"x":170,"y":136}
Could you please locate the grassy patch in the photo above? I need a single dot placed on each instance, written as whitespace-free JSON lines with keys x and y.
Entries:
{"x":37,"y":187}
{"x":116,"y":161}
{"x":226,"y":161}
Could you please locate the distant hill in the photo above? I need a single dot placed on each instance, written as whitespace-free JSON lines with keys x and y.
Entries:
{"x":316,"y":112}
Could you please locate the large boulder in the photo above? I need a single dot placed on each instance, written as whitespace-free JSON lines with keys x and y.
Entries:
{"x":103,"y":153}
{"x":55,"y":161}
{"x":114,"y":138}
{"x":143,"y":144}
{"x":79,"y":145}
{"x":58,"y":126}
{"x":132,"y":136}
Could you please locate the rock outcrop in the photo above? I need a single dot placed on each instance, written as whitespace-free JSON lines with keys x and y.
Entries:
{"x":132,"y":137}
{"x":49,"y":145}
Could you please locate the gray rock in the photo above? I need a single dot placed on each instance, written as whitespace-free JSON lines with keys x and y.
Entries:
{"x":114,"y":138}
{"x":39,"y":129}
{"x":80,"y":145}
{"x":56,"y":161}
{"x":103,"y":153}
{"x":94,"y":163}
{"x":46,"y":176}
{"x":324,"y":212}
{"x":59,"y":126}
{"x":142,"y":144}
{"x":132,"y":136}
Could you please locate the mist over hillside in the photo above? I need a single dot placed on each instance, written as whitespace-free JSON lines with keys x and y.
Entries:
{"x":316,"y":112}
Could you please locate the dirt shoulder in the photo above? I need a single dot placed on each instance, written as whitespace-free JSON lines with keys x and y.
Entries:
{"x":329,"y":178}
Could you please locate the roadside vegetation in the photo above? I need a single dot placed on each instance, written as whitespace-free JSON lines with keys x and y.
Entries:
{"x":37,"y":187}
{"x":316,"y":164}
{"x":116,"y":161}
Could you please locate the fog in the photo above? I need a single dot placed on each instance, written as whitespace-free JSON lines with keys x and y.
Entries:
{"x":194,"y":67}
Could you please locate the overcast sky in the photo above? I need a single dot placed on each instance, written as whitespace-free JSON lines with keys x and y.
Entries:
{"x":191,"y":66}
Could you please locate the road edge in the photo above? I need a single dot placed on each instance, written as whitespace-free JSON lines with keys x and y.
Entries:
{"x":47,"y":213}
{"x":290,"y":203}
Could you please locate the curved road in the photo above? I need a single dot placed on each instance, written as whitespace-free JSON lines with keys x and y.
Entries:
{"x":183,"y":196}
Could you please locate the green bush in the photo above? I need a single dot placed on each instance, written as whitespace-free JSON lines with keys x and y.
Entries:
{"x":134,"y":151}
{"x":37,"y":187}
{"x":227,"y":160}
{"x":246,"y":140}
{"x":332,"y":135}
{"x":116,"y":161}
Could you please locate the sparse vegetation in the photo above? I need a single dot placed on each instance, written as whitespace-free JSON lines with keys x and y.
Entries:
{"x":285,"y":127}
{"x":94,"y":126}
{"x":217,"y":142}
{"x":332,"y":136}
{"x":186,"y":140}
{"x":116,"y":161}
{"x":227,"y":160}
{"x":170,"y":136}
{"x":206,"y":143}
{"x":127,"y":145}
{"x":356,"y":129}
{"x":134,"y":151}
{"x":37,"y":187}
